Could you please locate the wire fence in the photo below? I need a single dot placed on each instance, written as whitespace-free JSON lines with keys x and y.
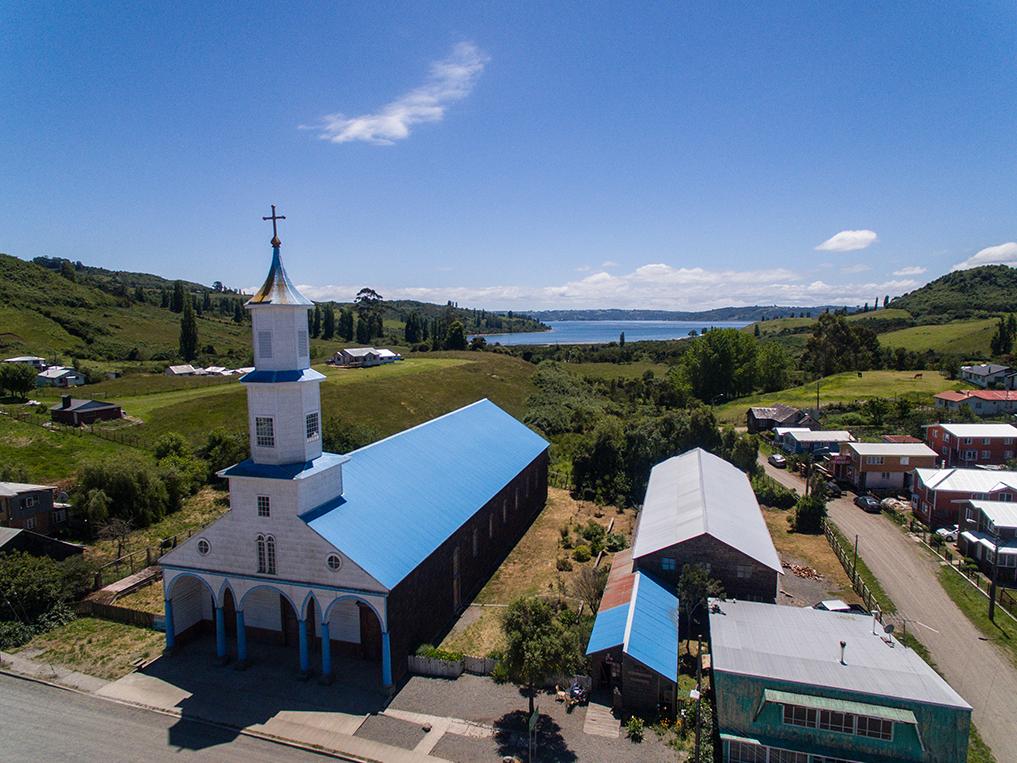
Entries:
{"x":119,"y":436}
{"x":848,"y":561}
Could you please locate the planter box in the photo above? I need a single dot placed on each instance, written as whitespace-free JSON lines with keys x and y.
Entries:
{"x":428,"y":666}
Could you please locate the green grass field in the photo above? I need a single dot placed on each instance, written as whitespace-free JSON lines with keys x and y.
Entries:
{"x":968,"y":338}
{"x":51,"y":456}
{"x":842,"y":388}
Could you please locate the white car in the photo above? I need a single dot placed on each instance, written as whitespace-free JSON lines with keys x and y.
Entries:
{"x":777,"y":460}
{"x":948,"y":534}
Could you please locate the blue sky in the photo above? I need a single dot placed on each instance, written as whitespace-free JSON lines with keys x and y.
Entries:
{"x":517,"y":155}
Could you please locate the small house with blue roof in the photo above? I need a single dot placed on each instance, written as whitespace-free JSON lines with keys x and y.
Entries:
{"x":364,"y":555}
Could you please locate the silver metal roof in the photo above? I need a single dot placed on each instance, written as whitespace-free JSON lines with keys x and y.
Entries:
{"x":1000,"y":513}
{"x":891,"y":448}
{"x":699,"y":493}
{"x":821,"y":435}
{"x":9,"y":489}
{"x":980,"y":430}
{"x":278,"y":289}
{"x":802,"y":645}
{"x":967,"y":480}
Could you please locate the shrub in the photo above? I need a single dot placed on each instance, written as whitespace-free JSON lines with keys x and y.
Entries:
{"x":500,"y":673}
{"x":14,"y":634}
{"x":616,"y":542}
{"x":435,"y":653}
{"x":563,"y":564}
{"x":771,"y":493}
{"x":634,"y":728}
{"x":582,"y":553}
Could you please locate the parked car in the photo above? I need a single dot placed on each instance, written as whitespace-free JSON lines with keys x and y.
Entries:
{"x":777,"y":460}
{"x":948,"y":534}
{"x":867,"y":503}
{"x":833,"y":490}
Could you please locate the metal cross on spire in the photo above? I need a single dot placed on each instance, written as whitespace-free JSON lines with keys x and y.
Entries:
{"x":275,"y":233}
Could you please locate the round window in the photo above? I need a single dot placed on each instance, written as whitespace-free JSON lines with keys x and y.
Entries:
{"x":334,"y":562}
{"x":203,"y":547}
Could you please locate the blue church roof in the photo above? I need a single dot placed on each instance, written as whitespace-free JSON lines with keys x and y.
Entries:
{"x":299,"y":471}
{"x":646,"y":628}
{"x":407,"y":494}
{"x":274,"y":377}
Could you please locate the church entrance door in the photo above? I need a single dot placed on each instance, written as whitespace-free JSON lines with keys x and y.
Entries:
{"x":370,"y":633}
{"x":290,"y":628}
{"x":229,"y":613}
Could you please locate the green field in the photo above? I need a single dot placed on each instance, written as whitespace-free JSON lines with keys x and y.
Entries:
{"x":968,"y":338}
{"x":842,"y":388}
{"x":873,"y":318}
{"x":51,"y":456}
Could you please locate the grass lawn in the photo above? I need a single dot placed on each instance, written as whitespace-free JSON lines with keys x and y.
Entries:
{"x":147,"y":599}
{"x":207,"y":505}
{"x":530,"y":569}
{"x":968,"y":338}
{"x":975,"y":606}
{"x":50,"y":456}
{"x":843,"y":388}
{"x":617,"y":370}
{"x":883,"y":601}
{"x":813,"y":550}
{"x":97,"y":647}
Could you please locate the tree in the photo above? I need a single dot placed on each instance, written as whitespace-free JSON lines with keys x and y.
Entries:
{"x":808,"y":514}
{"x":67,"y":271}
{"x":95,"y":508}
{"x":621,"y":339}
{"x":238,"y":311}
{"x":177,"y":300}
{"x":139,"y":294}
{"x":538,"y":644}
{"x":876,"y":408}
{"x":755,"y":330}
{"x":363,"y":330}
{"x":222,"y":449}
{"x":171,"y":444}
{"x":345,"y":325}
{"x":132,"y":485}
{"x":589,"y":585}
{"x":456,"y":337}
{"x":773,"y":367}
{"x":837,"y":345}
{"x":118,"y":530}
{"x":188,"y":333}
{"x":327,"y":322}
{"x":17,"y":378}
{"x":695,"y":586}
{"x":720,"y":364}
{"x":316,"y":322}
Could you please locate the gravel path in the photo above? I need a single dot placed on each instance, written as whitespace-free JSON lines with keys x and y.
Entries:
{"x":399,"y":733}
{"x":979,"y":670}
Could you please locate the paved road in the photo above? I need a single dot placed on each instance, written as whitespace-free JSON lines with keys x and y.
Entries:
{"x":39,"y":722}
{"x":978,"y":669}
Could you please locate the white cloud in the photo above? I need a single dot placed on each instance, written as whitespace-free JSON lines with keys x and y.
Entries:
{"x":609,"y":264}
{"x":860,"y":267}
{"x":1001,"y":254}
{"x":910,"y":270}
{"x":450,"y":80}
{"x":848,"y":241}
{"x":583,"y":269}
{"x":655,"y":285}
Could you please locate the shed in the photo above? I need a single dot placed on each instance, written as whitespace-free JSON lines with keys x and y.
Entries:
{"x":80,"y":412}
{"x":16,"y":539}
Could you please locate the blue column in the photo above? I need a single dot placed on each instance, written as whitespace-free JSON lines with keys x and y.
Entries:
{"x":326,"y":652}
{"x":241,"y":637}
{"x":171,"y":636}
{"x":386,"y":660}
{"x":220,"y":634}
{"x":302,"y":628}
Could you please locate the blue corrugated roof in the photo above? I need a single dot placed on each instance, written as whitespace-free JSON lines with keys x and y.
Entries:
{"x":608,"y":629}
{"x":652,"y":631}
{"x":646,"y":627}
{"x":298,"y":471}
{"x":405,"y":495}
{"x":274,"y":377}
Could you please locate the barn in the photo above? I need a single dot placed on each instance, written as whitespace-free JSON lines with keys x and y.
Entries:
{"x":364,"y":555}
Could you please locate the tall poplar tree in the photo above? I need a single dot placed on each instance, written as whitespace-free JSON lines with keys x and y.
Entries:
{"x":188,"y":333}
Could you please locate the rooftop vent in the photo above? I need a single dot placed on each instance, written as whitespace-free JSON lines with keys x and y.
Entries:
{"x":843,"y":646}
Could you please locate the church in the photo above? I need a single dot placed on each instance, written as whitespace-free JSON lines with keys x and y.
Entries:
{"x":364,"y":555}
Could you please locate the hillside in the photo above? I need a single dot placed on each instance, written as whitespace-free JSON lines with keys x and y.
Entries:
{"x":963,"y":294}
{"x":748,"y":313}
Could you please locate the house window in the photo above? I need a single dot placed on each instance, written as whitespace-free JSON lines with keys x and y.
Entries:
{"x":946,"y":437}
{"x":831,"y":720}
{"x":970,"y":455}
{"x":986,"y":441}
{"x":905,"y":460}
{"x":986,"y":455}
{"x":60,"y":515}
{"x":264,"y":431}
{"x":504,"y":509}
{"x":668,"y":564}
{"x":743,"y":571}
{"x":476,"y":542}
{"x":517,"y":497}
{"x":877,"y":728}
{"x":1008,"y":441}
{"x":265,"y":344}
{"x":490,"y":526}
{"x":1007,"y":454}
{"x":30,"y":523}
{"x":874,"y":460}
{"x":794,"y":715}
{"x":740,"y":752}
{"x":313,"y":426}
{"x":884,"y":475}
{"x":969,"y":514}
{"x":29,"y":502}
{"x":968,"y":440}
{"x":262,"y":563}
{"x":301,"y":343}
{"x":334,"y":562}
{"x":264,"y":506}
{"x":203,"y":546}
{"x":270,"y":549}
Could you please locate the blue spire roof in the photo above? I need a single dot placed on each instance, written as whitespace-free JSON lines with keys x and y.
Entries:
{"x":278,"y":289}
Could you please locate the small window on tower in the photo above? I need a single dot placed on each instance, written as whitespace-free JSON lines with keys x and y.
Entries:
{"x":264,"y":506}
{"x":203,"y":547}
{"x":265,"y":344}
{"x":264,"y":431}
{"x":301,"y":343}
{"x":313,"y":426}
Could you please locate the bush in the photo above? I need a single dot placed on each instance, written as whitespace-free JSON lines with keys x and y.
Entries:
{"x":429,"y":650}
{"x":616,"y":542}
{"x":563,"y":564}
{"x":634,"y":728}
{"x":500,"y":673}
{"x":771,"y":493}
{"x":582,"y":553}
{"x":14,"y":633}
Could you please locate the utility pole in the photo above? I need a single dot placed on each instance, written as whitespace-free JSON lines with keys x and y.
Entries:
{"x":699,"y":692}
{"x":854,"y":562}
{"x":992,"y":583}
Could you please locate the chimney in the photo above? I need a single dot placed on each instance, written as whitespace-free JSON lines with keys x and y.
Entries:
{"x":65,"y":401}
{"x":843,"y":646}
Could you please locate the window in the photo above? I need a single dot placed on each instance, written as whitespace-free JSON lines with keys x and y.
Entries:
{"x":831,"y":720}
{"x":29,"y":502}
{"x":30,"y":523}
{"x":504,"y":509}
{"x":884,"y":475}
{"x":795,"y":715}
{"x":969,"y":514}
{"x":874,"y":460}
{"x":1008,"y":441}
{"x":970,"y":455}
{"x":787,"y":756}
{"x":476,"y":542}
{"x":946,"y":437}
{"x":60,"y":515}
{"x":877,"y":728}
{"x":203,"y":546}
{"x":1007,"y":454}
{"x":743,"y":571}
{"x":517,"y":497}
{"x":986,"y":441}
{"x":905,"y":460}
{"x":264,"y":431}
{"x":986,"y":455}
{"x":265,"y":344}
{"x":668,"y":564}
{"x":270,"y":548}
{"x":301,"y":343}
{"x":490,"y":526}
{"x":968,"y":440}
{"x":264,"y":506}
{"x":262,"y":564}
{"x":313,"y":426}
{"x":334,"y":562}
{"x":740,"y":752}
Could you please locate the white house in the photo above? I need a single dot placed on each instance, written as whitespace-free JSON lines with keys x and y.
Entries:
{"x":59,"y":376}
{"x":985,"y":375}
{"x":369,"y":554}
{"x":365,"y":357}
{"x":29,"y":360}
{"x":182,"y":370}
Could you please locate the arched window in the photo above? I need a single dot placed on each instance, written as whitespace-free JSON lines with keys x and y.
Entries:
{"x":262,"y":566}
{"x":270,"y":549}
